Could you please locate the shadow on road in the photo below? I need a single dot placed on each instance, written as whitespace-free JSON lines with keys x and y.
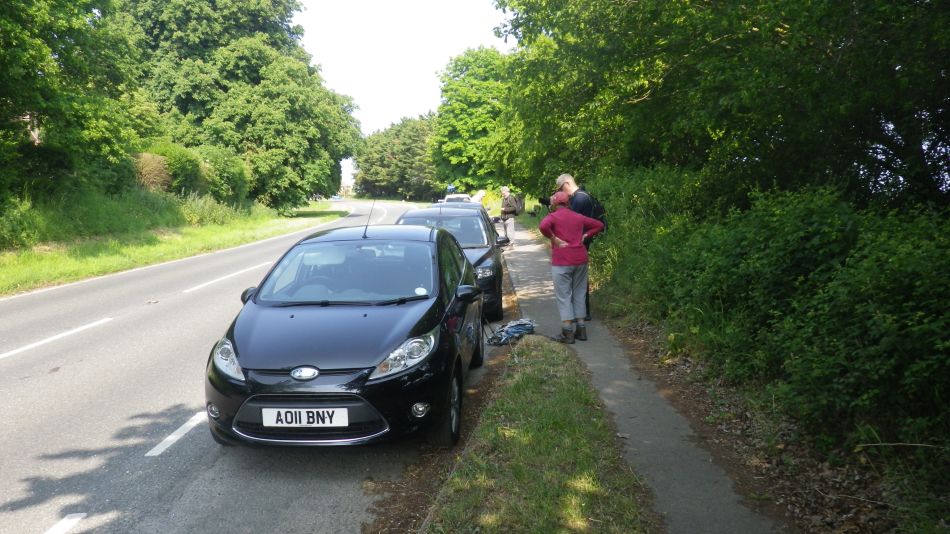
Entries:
{"x":193,"y":485}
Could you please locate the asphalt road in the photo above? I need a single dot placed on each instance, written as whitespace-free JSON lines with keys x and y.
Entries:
{"x":98,"y":378}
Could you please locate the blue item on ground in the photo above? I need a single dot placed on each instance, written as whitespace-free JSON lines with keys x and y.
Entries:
{"x":512,"y":331}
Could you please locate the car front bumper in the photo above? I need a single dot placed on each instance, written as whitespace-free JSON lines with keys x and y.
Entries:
{"x":376,"y":410}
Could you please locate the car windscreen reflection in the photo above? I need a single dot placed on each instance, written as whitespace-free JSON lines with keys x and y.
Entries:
{"x":350,"y":273}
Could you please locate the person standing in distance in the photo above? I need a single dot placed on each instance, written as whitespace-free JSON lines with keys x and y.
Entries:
{"x":509,"y":208}
{"x":567,"y":231}
{"x":580,"y":203}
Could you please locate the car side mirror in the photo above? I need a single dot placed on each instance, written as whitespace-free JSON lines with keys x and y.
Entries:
{"x":502,"y":241}
{"x":248,"y":294}
{"x":467,"y":293}
{"x":496,"y":220}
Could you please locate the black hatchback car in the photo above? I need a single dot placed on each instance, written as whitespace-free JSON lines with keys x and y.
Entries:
{"x":482,"y":245}
{"x":355,"y":334}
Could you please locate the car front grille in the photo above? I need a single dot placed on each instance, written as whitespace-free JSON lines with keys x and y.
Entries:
{"x":364,"y":421}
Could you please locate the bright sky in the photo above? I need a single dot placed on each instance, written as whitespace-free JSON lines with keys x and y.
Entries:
{"x":387,"y":54}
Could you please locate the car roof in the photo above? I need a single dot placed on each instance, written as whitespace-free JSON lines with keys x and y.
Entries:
{"x":401,"y":232}
{"x":458,"y":205}
{"x":441,"y":211}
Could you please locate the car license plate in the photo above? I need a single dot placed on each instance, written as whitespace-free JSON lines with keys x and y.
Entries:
{"x":294,"y":417}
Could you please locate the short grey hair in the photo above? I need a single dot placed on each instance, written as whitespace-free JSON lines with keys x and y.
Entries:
{"x":563,"y":179}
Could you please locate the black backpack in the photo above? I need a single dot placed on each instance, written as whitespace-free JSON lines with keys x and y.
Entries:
{"x":597,"y":210}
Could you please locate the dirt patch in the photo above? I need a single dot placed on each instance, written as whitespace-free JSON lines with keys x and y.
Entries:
{"x":776,"y":475}
{"x":406,"y":502}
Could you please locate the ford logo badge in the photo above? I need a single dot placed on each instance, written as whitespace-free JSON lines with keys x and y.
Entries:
{"x":304,"y":373}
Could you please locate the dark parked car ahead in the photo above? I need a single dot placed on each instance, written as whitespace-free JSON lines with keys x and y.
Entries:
{"x":354,"y":335}
{"x":475,"y":232}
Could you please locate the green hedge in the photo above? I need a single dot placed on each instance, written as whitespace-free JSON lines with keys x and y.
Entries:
{"x":871,"y":347}
{"x":187,"y":171}
{"x":228,"y":177}
{"x":841,"y":313}
{"x":85,"y":214}
{"x":19,"y":224}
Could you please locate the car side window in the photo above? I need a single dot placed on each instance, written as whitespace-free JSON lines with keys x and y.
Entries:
{"x":451,"y":270}
{"x":467,"y":275}
{"x":459,"y":257}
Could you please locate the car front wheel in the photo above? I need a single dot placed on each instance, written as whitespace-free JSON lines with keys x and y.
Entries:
{"x":495,"y":312}
{"x":478,"y":356}
{"x":447,"y":430}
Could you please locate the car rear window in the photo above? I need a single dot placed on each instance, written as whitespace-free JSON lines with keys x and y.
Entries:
{"x":468,"y":231}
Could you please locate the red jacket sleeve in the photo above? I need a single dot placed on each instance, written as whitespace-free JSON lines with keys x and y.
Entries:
{"x":592,"y":226}
{"x":545,"y":227}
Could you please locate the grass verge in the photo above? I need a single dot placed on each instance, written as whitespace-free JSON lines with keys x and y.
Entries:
{"x":544,"y":457}
{"x":56,"y":263}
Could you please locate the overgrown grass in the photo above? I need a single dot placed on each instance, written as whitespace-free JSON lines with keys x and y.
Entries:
{"x":543,"y":458}
{"x":112,"y":251}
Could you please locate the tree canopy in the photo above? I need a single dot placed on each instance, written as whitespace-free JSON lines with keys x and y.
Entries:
{"x":755,"y":95}
{"x":66,"y":66}
{"x":397,"y":162}
{"x":87,"y":83}
{"x":468,"y":136}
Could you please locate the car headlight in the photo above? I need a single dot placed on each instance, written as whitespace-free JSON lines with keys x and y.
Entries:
{"x":225,"y":360}
{"x":411,"y":353}
{"x":483,"y":271}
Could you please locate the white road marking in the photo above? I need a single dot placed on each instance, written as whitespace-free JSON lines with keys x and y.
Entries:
{"x":380,"y":218}
{"x":54,"y":338}
{"x":65,"y":524}
{"x":225,"y":277}
{"x":176,"y":435}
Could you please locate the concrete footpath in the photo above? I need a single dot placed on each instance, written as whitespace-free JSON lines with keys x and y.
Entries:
{"x":693,"y":494}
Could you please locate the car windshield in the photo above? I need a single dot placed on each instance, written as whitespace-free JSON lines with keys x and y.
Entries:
{"x":350,"y":273}
{"x":468,"y":230}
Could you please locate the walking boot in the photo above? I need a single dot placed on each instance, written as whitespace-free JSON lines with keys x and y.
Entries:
{"x":580,"y":333}
{"x":567,"y":336}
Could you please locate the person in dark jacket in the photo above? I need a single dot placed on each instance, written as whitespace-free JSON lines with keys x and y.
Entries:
{"x":567,"y":231}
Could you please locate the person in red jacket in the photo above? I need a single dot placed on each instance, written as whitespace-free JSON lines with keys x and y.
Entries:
{"x":567,"y":231}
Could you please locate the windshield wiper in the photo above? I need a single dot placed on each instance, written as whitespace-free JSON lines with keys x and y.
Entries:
{"x":321,"y":303}
{"x":401,"y":300}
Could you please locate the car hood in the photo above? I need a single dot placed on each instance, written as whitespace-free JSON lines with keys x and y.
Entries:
{"x":330,"y":337}
{"x":477,"y":255}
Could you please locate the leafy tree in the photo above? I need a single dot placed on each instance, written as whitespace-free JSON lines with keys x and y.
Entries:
{"x":196,"y":28}
{"x":66,"y":65}
{"x":293,"y":131}
{"x":756,"y":95}
{"x":397,"y":161}
{"x":232,"y":74}
{"x":467,"y":146}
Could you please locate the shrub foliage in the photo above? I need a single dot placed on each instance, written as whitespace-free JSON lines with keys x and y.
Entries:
{"x":839,"y":312}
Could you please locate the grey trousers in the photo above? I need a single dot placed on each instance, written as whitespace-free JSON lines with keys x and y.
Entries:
{"x":570,"y":286}
{"x":509,"y":225}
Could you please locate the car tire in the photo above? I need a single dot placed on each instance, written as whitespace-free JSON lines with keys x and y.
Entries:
{"x":495,"y":311}
{"x":220,"y":440}
{"x":447,"y":430}
{"x":478,"y":357}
